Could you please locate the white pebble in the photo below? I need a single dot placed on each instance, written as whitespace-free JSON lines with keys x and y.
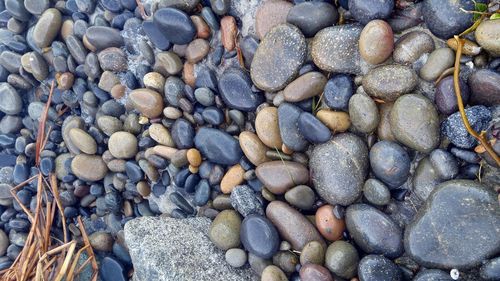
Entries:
{"x":236,"y":257}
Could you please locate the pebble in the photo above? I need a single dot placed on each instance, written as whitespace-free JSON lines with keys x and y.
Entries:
{"x":175,"y":25}
{"x":390,"y":163}
{"x":225,"y":230}
{"x":411,"y":46}
{"x":259,"y":236}
{"x":220,"y":7}
{"x":273,"y":273}
{"x":236,"y":90}
{"x":389,"y":82}
{"x":368,"y":225}
{"x":479,"y":116}
{"x":487,"y":34}
{"x":270,"y":14}
{"x":232,"y":178}
{"x":337,"y":92}
{"x":101,"y":241}
{"x":336,"y":121}
{"x":36,"y":7}
{"x":229,"y":31}
{"x":491,"y":269}
{"x":328,"y":224}
{"x":367,"y":10}
{"x":161,"y":135}
{"x":103,"y":37}
{"x":267,"y":127}
{"x":83,"y":141}
{"x":253,"y":148}
{"x":380,"y":32}
{"x":414,"y":122}
{"x":236,"y":257}
{"x":204,"y":96}
{"x":469,"y":206}
{"x":17,"y":10}
{"x":167,"y":63}
{"x":89,"y":167}
{"x":315,"y":272}
{"x":155,"y":35}
{"x":183,"y":134}
{"x":339,"y":178}
{"x":306,"y":86}
{"x":245,"y":201}
{"x":373,"y":267}
{"x":445,"y":96}
{"x":292,"y":225}
{"x":363,"y":113}
{"x":335,"y":49}
{"x":311,"y":17}
{"x":288,"y":117}
{"x":197,"y":50}
{"x":218,"y":146}
{"x":432,"y":274}
{"x":147,"y":102}
{"x":113,"y":59}
{"x":109,"y":124}
{"x":273,"y":68}
{"x":10,"y":101}
{"x":111,"y":270}
{"x":76,"y":48}
{"x":4,"y":243}
{"x":446,"y":18}
{"x":279,"y":176}
{"x":47,"y":28}
{"x":122,"y":145}
{"x":313,"y":252}
{"x":301,"y":196}
{"x":184,"y":5}
{"x":437,"y":62}
{"x":376,"y":192}
{"x":312,"y":128}
{"x":342,"y":259}
{"x":485,"y":87}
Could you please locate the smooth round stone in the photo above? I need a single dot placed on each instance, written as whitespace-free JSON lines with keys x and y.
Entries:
{"x":38,"y":65}
{"x":337,"y":121}
{"x":259,"y":236}
{"x":313,"y":252}
{"x":17,"y":10}
{"x":471,"y":207}
{"x":270,"y":14}
{"x":267,"y":127}
{"x":220,"y":7}
{"x":103,"y":37}
{"x":363,"y":113}
{"x":439,"y":60}
{"x":89,"y":167}
{"x":236,"y":257}
{"x":292,"y":225}
{"x":10,"y":101}
{"x":279,"y":176}
{"x":376,"y":42}
{"x":487,"y":35}
{"x":47,"y":28}
{"x":491,"y":269}
{"x":111,"y":270}
{"x":445,"y":96}
{"x":160,"y":134}
{"x":113,"y":59}
{"x":328,"y":224}
{"x":378,"y":268}
{"x":253,"y":148}
{"x":175,"y":25}
{"x":388,"y":82}
{"x":425,"y":179}
{"x":485,"y":87}
{"x":374,"y":231}
{"x":335,"y":49}
{"x":288,"y":117}
{"x":185,"y":5}
{"x":273,"y":68}
{"x":376,"y":192}
{"x":479,"y":116}
{"x":232,"y":178}
{"x":339,"y":178}
{"x":337,"y":92}
{"x":76,"y":48}
{"x":83,"y":141}
{"x":218,"y":146}
{"x":342,"y":259}
{"x":109,"y":124}
{"x":315,"y":272}
{"x":183,"y":133}
{"x":273,"y":273}
{"x":306,"y":86}
{"x":197,"y":50}
{"x":301,"y":196}
{"x":155,"y":35}
{"x":101,"y":241}
{"x":390,"y":163}
{"x":10,"y":61}
{"x":4,"y":242}
{"x":36,"y":7}
{"x":311,"y":17}
{"x":122,"y":145}
{"x":213,"y":115}
{"x":444,"y":163}
{"x":174,"y":90}
{"x":367,"y":10}
{"x":415,"y":123}
{"x":204,"y":96}
{"x":68,"y":124}
{"x":411,"y":46}
{"x":225,"y":230}
{"x":312,"y":129}
{"x":147,"y":102}
{"x":432,"y":274}
{"x":446,"y":18}
{"x":286,"y":260}
{"x":236,"y":90}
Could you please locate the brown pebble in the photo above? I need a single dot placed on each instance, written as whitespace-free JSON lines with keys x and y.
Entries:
{"x":194,"y":157}
{"x":270,"y":14}
{"x":273,"y":273}
{"x":193,"y":169}
{"x":232,"y":178}
{"x":253,"y":148}
{"x":164,"y":151}
{"x":376,"y":41}
{"x":229,"y":30}
{"x":267,"y":127}
{"x":328,"y":225}
{"x":197,"y":50}
{"x":118,"y":91}
{"x":65,"y":81}
{"x":337,"y":121}
{"x":469,"y":48}
{"x":147,"y":102}
{"x":279,"y":176}
{"x":202,"y":28}
{"x":143,"y":188}
{"x":188,"y":74}
{"x":315,"y":272}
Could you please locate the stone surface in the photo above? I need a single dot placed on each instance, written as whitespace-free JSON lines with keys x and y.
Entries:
{"x":47,"y":28}
{"x":338,"y":168}
{"x":453,"y":127}
{"x":259,"y":236}
{"x":147,"y":102}
{"x":437,"y":62}
{"x":288,"y":117}
{"x":363,"y":113}
{"x":123,"y":145}
{"x":328,"y":224}
{"x":445,"y":17}
{"x":342,"y":259}
{"x":236,"y":90}
{"x":311,"y":17}
{"x":314,"y":272}
{"x":270,"y":14}
{"x":411,"y":46}
{"x":301,"y":196}
{"x":186,"y":254}
{"x":374,"y":267}
{"x":245,"y":201}
{"x":485,"y":87}
{"x":389,"y":82}
{"x":487,"y":35}
{"x":445,"y":97}
{"x":456,"y":226}
{"x":102,"y":37}
{"x":175,"y":25}
{"x":337,"y":92}
{"x":218,"y":146}
{"x":390,"y":163}
{"x":10,"y":101}
{"x":253,"y":148}
{"x":376,"y":41}
{"x":225,"y":230}
{"x":279,"y":176}
{"x":313,"y":129}
{"x":267,"y":127}
{"x":89,"y":167}
{"x":366,"y":10}
{"x":306,"y":86}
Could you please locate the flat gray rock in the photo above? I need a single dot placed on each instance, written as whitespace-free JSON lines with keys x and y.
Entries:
{"x":178,"y":250}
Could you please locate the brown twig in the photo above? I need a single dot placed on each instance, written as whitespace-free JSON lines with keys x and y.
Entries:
{"x":482,"y":136}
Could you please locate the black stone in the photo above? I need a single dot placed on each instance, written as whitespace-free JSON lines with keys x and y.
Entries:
{"x":158,"y":189}
{"x":191,"y":182}
{"x":453,"y":127}
{"x":111,"y":270}
{"x":390,"y":163}
{"x":202,"y":193}
{"x":21,"y":173}
{"x":338,"y":90}
{"x":259,"y":236}
{"x":156,"y":36}
{"x":182,"y":133}
{"x":181,"y":177}
{"x":213,"y":116}
{"x":367,"y":10}
{"x":236,"y":90}
{"x":134,"y":172}
{"x":218,"y":146}
{"x":206,"y":78}
{"x":311,"y":17}
{"x":313,"y":129}
{"x":378,"y":268}
{"x":288,"y":117}
{"x":175,"y":25}
{"x":181,"y":202}
{"x":47,"y":165}
{"x":432,"y":275}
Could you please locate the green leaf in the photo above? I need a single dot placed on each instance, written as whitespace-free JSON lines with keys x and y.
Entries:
{"x":480,"y":7}
{"x":495,"y":16}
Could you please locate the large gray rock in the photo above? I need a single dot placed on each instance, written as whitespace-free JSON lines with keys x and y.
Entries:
{"x":456,"y":228}
{"x":177,"y":250}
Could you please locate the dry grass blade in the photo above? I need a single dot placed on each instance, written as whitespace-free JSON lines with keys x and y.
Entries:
{"x":41,"y":127}
{"x":286,"y":167}
{"x":480,"y":137}
{"x":90,"y":252}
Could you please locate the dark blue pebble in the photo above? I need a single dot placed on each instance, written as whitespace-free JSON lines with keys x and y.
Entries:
{"x":165,"y":178}
{"x":129,"y":4}
{"x":112,"y":5}
{"x":202,"y":193}
{"x":8,"y":214}
{"x":213,"y":116}
{"x":236,"y":90}
{"x":366,"y":10}
{"x":248,"y":46}
{"x":181,"y":202}
{"x":390,"y":163}
{"x":466,"y":155}
{"x":313,"y":129}
{"x":17,"y":10}
{"x":71,"y":7}
{"x":230,"y":55}
{"x":130,"y":80}
{"x":308,"y":67}
{"x":7,"y":140}
{"x":259,"y":236}
{"x":146,"y":142}
{"x":255,"y":184}
{"x":7,"y":160}
{"x":5,"y":263}
{"x":470,"y":171}
{"x":288,"y":117}
{"x":47,"y":165}
{"x":338,"y":90}
{"x":182,"y":133}
{"x":113,"y":201}
{"x":111,"y":270}
{"x":20,"y":144}
{"x":119,"y":21}
{"x":79,"y":16}
{"x":399,"y":194}
{"x":378,"y":268}
{"x":246,"y":164}
{"x":134,"y":172}
{"x":178,"y":214}
{"x":19,"y":225}
{"x":208,"y":15}
{"x":158,"y":189}
{"x":205,"y":169}
{"x":4,"y":18}
{"x":71,"y":212}
{"x":218,"y":146}
{"x":216,"y":55}
{"x":175,"y":25}
{"x":191,"y":181}
{"x":156,"y":36}
{"x":181,"y":177}
{"x":206,"y":78}
{"x":479,"y":116}
{"x":21,"y":173}
{"x":158,"y":161}
{"x":122,"y":253}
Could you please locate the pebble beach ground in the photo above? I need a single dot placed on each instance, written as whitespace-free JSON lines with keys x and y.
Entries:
{"x":255,"y":140}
